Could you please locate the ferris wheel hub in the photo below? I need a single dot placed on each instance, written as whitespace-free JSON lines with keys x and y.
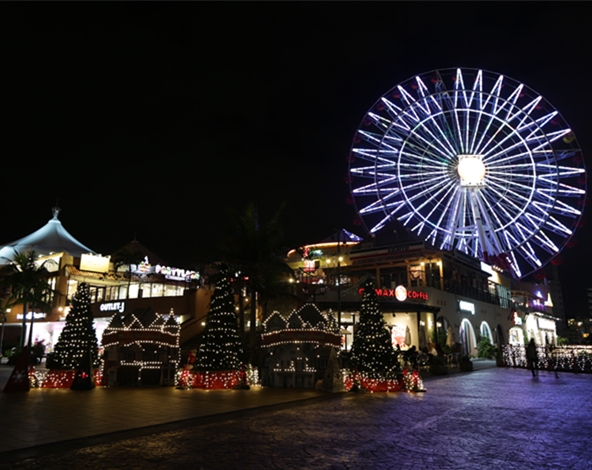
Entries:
{"x":471,"y":170}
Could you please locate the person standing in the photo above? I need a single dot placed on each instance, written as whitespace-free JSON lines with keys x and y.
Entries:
{"x":531,"y":357}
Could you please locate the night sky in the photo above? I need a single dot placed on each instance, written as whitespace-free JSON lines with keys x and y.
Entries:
{"x":154,"y":119}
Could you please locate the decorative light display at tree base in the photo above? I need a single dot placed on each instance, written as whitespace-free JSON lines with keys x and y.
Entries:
{"x":559,"y":358}
{"x":408,"y":381}
{"x":217,"y":380}
{"x":56,"y":378}
{"x":243,"y":379}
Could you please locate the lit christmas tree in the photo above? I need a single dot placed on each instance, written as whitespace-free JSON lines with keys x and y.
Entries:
{"x":372,"y":352}
{"x":78,"y":339}
{"x":221,"y":346}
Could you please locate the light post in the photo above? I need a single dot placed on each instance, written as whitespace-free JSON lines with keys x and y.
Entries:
{"x":3,"y":313}
{"x":339,"y":281}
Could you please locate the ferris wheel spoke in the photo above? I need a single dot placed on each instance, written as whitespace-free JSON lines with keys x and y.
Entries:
{"x":503,"y":169}
{"x":380,"y":206}
{"x":546,"y":243}
{"x":448,"y":148}
{"x":492,"y":160}
{"x":380,"y":121}
{"x":562,"y":171}
{"x":513,"y":183}
{"x":529,"y":255}
{"x":421,"y":150}
{"x":428,"y":184}
{"x":557,"y":226}
{"x":422,"y":128}
{"x":560,"y":208}
{"x":563,"y":154}
{"x":420,"y":166}
{"x":389,"y":217}
{"x":520,"y":127}
{"x":446,"y":197}
{"x":525,"y":199}
{"x":536,"y":134}
{"x":427,"y":97}
{"x":370,"y":137}
{"x":525,"y":112}
{"x":503,"y":218}
{"x":373,"y":188}
{"x":567,"y":190}
{"x":503,"y":208}
{"x":488,"y":215}
{"x":421,"y":177}
{"x":477,"y":89}
{"x":435,"y":194}
{"x":451,"y":213}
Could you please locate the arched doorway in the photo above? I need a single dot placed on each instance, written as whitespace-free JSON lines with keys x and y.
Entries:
{"x":485,"y":332}
{"x":468,"y":338}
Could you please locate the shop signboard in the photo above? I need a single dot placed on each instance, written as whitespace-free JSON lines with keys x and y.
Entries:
{"x":94,"y":263}
{"x":174,"y":274}
{"x":36,"y":315}
{"x":465,"y":306}
{"x":112,"y":307}
{"x":400,"y":293}
{"x":545,"y":324}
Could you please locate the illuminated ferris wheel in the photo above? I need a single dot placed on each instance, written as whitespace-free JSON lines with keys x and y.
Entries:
{"x":473,"y":161}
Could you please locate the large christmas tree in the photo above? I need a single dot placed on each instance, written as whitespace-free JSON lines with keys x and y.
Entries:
{"x":372,"y":352}
{"x":78,"y":339}
{"x":220,"y":348}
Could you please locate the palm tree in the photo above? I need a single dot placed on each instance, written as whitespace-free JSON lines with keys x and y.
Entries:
{"x":127,"y":257}
{"x":28,"y":284}
{"x":258,"y":252}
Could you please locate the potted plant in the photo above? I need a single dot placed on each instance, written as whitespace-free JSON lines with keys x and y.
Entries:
{"x":465,"y":363}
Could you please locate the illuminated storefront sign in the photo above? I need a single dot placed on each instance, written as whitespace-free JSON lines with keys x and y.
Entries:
{"x":37,"y":315}
{"x":97,"y":264}
{"x":175,"y":274}
{"x":465,"y":306}
{"x":545,"y":324}
{"x":400,"y":293}
{"x":310,"y":265}
{"x":113,"y":307}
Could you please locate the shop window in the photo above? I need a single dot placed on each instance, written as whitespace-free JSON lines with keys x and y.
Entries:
{"x":133,"y":291}
{"x":172,"y":291}
{"x":122,"y":292}
{"x":157,"y":290}
{"x":97,"y":294}
{"x":416,"y":276}
{"x":72,"y":287}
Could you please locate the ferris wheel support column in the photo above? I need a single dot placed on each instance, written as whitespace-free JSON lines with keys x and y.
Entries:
{"x":479,"y":223}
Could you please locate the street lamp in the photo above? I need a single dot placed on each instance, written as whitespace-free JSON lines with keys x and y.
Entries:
{"x":3,"y":313}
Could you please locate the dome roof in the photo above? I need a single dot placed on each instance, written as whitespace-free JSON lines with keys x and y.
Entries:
{"x":51,"y":238}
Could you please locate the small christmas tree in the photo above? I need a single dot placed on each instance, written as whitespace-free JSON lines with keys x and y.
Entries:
{"x":372,"y":352}
{"x":78,"y":338}
{"x":221,"y":346}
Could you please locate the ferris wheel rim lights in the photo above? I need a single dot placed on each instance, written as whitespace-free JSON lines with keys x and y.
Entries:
{"x":474,"y":161}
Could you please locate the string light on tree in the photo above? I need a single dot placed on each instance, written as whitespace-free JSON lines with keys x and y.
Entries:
{"x":372,"y":351}
{"x":78,"y":338}
{"x":221,"y":348}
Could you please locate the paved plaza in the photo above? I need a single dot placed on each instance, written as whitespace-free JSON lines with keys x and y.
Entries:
{"x":490,"y":418}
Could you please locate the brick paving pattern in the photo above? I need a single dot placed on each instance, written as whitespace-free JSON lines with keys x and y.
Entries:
{"x":494,"y":418}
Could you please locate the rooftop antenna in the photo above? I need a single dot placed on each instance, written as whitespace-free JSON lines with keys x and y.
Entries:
{"x":56,"y":210}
